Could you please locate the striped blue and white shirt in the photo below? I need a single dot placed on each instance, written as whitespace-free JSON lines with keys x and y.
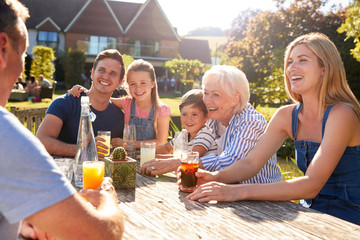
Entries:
{"x":242,"y":133}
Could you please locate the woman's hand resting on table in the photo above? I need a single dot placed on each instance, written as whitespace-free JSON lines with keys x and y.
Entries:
{"x":160,"y":166}
{"x":203,"y":176}
{"x":215,"y":191}
{"x":208,"y":190}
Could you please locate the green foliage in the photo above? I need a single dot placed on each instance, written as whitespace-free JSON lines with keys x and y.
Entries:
{"x":73,"y":62}
{"x":127,"y":59}
{"x":260,"y":40}
{"x":265,"y":112}
{"x":289,"y":168}
{"x":352,"y":28}
{"x":42,"y":62}
{"x":186,"y":85}
{"x":173,"y":128}
{"x":184,"y":69}
{"x":287,"y":149}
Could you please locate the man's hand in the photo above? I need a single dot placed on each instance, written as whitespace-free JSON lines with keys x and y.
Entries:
{"x":96,"y":197}
{"x":101,"y":148}
{"x":29,"y":231}
{"x":76,"y":90}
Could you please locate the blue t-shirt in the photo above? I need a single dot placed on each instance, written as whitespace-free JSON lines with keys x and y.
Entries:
{"x":68,"y":109}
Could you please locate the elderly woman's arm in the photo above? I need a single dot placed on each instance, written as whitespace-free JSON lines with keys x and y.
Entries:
{"x":241,"y":136}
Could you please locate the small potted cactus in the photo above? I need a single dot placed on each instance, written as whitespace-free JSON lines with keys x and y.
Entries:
{"x":121,"y":169}
{"x":119,"y":154}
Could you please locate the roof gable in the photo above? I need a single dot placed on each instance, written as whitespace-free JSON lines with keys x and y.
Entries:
{"x":97,"y":18}
{"x":150,"y":22}
{"x":195,"y":49}
{"x":59,"y":11}
{"x":124,"y":11}
{"x":48,"y":25}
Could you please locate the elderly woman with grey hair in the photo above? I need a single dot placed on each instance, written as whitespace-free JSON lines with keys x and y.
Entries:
{"x":237,"y":125}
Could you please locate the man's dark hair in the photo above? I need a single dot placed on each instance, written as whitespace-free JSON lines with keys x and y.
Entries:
{"x":10,"y":12}
{"x":113,"y":54}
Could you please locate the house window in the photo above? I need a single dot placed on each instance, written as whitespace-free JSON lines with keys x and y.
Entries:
{"x":144,"y":48}
{"x":48,"y":39}
{"x":100,"y":43}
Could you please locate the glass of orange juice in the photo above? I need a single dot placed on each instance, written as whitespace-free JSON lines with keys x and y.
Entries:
{"x":93,"y":174}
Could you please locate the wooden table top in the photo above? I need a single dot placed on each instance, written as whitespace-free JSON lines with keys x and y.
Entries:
{"x":156,"y":209}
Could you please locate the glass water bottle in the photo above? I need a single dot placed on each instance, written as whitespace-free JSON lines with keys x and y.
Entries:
{"x":85,"y":145}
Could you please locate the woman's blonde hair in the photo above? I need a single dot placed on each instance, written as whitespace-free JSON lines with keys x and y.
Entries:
{"x":333,"y":87}
{"x":140,"y":65}
{"x":232,"y":81}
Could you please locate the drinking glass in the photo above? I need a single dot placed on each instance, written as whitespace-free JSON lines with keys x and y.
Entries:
{"x":129,"y":139}
{"x":147,"y":152}
{"x":93,"y":174}
{"x":180,"y":148}
{"x":107,"y":136}
{"x":189,"y":166}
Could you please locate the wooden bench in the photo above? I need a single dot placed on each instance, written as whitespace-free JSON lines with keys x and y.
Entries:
{"x":31,"y":118}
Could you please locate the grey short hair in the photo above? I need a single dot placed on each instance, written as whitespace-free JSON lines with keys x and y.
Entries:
{"x":232,"y":80}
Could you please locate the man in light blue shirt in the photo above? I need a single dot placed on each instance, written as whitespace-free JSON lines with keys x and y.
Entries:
{"x":31,"y":185}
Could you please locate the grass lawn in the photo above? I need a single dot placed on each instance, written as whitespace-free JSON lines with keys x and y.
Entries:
{"x":27,"y":104}
{"x":173,"y":102}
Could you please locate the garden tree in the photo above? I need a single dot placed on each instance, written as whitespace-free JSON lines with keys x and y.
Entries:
{"x":352,"y":27}
{"x":240,"y":24}
{"x":182,"y":68}
{"x":73,"y":62}
{"x":42,"y":62}
{"x":327,"y":23}
{"x":260,"y":52}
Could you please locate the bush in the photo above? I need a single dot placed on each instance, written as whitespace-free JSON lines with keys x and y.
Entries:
{"x":186,"y":85}
{"x":42,"y":62}
{"x":73,"y":62}
{"x":287,"y":149}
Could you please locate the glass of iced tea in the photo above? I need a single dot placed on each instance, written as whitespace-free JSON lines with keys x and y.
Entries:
{"x":93,"y":174}
{"x":189,"y":166}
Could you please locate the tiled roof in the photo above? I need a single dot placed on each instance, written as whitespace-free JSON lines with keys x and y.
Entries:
{"x":102,"y":17}
{"x":124,"y":11}
{"x":60,"y":11}
{"x":195,"y":49}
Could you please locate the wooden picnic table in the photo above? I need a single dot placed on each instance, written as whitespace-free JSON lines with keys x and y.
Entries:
{"x":156,"y":209}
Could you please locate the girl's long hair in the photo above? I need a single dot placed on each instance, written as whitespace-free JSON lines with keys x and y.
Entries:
{"x":144,"y":66}
{"x":334,"y":87}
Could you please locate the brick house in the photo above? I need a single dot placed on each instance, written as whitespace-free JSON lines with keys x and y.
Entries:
{"x":140,"y":30}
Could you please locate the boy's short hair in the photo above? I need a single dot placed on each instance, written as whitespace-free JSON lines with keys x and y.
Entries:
{"x":193,"y":97}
